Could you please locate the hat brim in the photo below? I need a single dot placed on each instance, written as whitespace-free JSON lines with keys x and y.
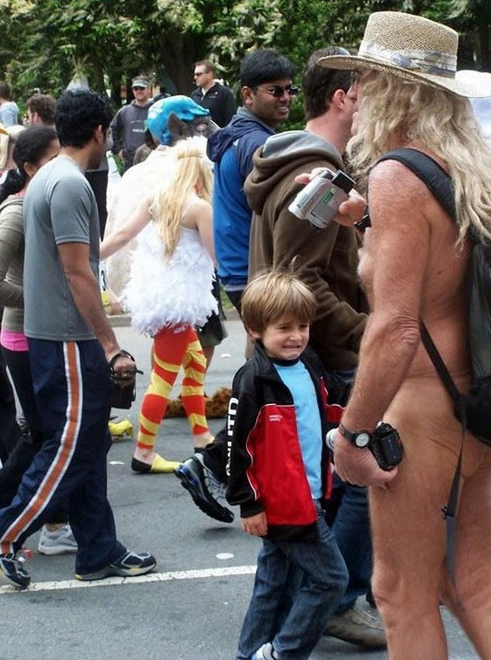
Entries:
{"x":351,"y":62}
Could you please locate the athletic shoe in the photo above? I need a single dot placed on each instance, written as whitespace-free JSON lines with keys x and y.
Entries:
{"x":13,"y":571}
{"x":130,"y":564}
{"x":266,"y":652}
{"x":57,"y":542}
{"x":358,"y":626}
{"x":204,"y":487}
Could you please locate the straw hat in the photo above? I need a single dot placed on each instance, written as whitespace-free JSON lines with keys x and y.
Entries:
{"x":411,"y":47}
{"x":480,"y":106}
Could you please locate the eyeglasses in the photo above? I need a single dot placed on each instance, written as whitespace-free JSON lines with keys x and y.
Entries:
{"x":139,"y":88}
{"x":278,"y":90}
{"x":199,"y":73}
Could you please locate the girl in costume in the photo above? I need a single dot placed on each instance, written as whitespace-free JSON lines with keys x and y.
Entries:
{"x":169,"y":292}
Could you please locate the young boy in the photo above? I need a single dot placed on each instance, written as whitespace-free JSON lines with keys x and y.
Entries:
{"x":279,"y":472}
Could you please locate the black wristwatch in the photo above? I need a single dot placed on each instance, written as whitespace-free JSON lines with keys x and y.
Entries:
{"x":359,"y":439}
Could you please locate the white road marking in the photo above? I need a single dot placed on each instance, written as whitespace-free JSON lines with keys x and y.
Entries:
{"x":151,"y":577}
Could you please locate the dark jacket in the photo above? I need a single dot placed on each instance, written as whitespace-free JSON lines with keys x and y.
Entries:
{"x":128,"y":130}
{"x":219,"y":100}
{"x":327,"y":258}
{"x":266,"y":469}
{"x":231,"y":149}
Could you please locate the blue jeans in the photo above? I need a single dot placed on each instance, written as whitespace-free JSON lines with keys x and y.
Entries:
{"x":350,"y":522}
{"x":351,"y":527}
{"x":311,"y":577}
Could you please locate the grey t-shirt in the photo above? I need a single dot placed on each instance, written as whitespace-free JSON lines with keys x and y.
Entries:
{"x":59,"y":207}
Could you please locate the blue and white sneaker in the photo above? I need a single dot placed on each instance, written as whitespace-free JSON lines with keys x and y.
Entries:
{"x":12,"y":569}
{"x":130,"y":564}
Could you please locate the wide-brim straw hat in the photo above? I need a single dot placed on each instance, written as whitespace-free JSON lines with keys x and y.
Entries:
{"x":412,"y":48}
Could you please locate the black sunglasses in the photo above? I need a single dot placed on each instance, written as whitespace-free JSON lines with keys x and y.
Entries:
{"x":138,"y":87}
{"x":278,"y":90}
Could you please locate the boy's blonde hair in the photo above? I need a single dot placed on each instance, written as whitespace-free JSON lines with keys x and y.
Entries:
{"x":273,"y":294}
{"x":190,"y":172}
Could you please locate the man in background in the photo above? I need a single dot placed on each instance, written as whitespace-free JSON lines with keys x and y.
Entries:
{"x":9,"y":110}
{"x":212,"y":95}
{"x":41,"y":110}
{"x":128,"y":125}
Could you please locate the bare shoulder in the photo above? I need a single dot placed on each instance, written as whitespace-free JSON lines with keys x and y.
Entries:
{"x":397,"y":192}
{"x":198,"y":212}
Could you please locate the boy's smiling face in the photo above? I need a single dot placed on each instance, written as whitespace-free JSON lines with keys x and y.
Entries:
{"x":284,"y":339}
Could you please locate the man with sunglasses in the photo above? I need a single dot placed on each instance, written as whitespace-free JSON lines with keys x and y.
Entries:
{"x":212,"y":95}
{"x":267,"y":93}
{"x":128,"y":125}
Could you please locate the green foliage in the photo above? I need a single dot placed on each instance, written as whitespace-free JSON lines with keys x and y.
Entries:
{"x":46,"y":42}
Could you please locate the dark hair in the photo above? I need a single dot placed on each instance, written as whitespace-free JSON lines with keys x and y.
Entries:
{"x":320,"y":83}
{"x":5,"y":91}
{"x":44,"y":105}
{"x":208,"y":64}
{"x":78,"y":113}
{"x":262,"y":66}
{"x":30,"y":147}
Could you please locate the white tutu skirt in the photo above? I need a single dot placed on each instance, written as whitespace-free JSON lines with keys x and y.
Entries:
{"x":175,"y":291}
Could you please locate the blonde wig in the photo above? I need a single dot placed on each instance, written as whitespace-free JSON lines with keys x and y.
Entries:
{"x":394,"y":113}
{"x":190,"y":174}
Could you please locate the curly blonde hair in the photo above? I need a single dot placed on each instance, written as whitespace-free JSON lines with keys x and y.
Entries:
{"x":441,"y":121}
{"x":190,"y":173}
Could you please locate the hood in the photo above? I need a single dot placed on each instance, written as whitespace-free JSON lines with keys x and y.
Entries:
{"x":241,"y":124}
{"x":281,"y":155}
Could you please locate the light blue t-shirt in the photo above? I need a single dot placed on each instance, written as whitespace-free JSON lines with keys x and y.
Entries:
{"x":9,"y":113}
{"x":298,"y":380}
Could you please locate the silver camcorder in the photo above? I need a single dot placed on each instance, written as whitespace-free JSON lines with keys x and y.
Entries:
{"x":319,"y":201}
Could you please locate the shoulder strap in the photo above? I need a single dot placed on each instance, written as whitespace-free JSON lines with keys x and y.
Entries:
{"x":431,"y":174}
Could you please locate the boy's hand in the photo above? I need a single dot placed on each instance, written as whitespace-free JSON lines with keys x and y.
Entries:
{"x":255,"y":525}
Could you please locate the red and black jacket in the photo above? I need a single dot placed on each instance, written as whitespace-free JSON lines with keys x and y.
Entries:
{"x":266,"y":470}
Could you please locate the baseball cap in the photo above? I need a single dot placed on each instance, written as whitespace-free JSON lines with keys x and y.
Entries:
{"x":140,"y":81}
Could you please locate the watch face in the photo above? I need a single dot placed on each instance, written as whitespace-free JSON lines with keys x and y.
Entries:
{"x":362,"y":439}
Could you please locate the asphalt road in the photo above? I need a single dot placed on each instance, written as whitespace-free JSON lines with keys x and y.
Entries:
{"x":192,"y":607}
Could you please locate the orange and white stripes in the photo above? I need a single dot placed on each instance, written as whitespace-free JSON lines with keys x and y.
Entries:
{"x":63,"y":456}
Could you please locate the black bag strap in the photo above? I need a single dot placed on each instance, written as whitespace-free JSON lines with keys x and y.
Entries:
{"x":440,"y":185}
{"x":431,"y":174}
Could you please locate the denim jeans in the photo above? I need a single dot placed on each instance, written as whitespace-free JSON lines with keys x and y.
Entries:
{"x":351,"y":527}
{"x":350,"y":521}
{"x":311,"y":577}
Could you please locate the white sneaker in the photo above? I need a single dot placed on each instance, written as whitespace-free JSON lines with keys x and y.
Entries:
{"x":58,"y":542}
{"x":266,"y":652}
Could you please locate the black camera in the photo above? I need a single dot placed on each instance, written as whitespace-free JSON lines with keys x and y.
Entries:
{"x":386,"y":446}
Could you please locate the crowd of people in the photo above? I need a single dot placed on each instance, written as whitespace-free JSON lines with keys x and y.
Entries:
{"x":349,"y":548}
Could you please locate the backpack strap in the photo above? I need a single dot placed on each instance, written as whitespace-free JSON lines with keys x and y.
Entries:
{"x":431,"y":174}
{"x":440,"y":185}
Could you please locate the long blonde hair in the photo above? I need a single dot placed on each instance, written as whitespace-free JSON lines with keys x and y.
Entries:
{"x":190,"y":174}
{"x":441,"y":121}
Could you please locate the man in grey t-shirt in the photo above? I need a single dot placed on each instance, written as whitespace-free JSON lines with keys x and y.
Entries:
{"x":71,"y":348}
